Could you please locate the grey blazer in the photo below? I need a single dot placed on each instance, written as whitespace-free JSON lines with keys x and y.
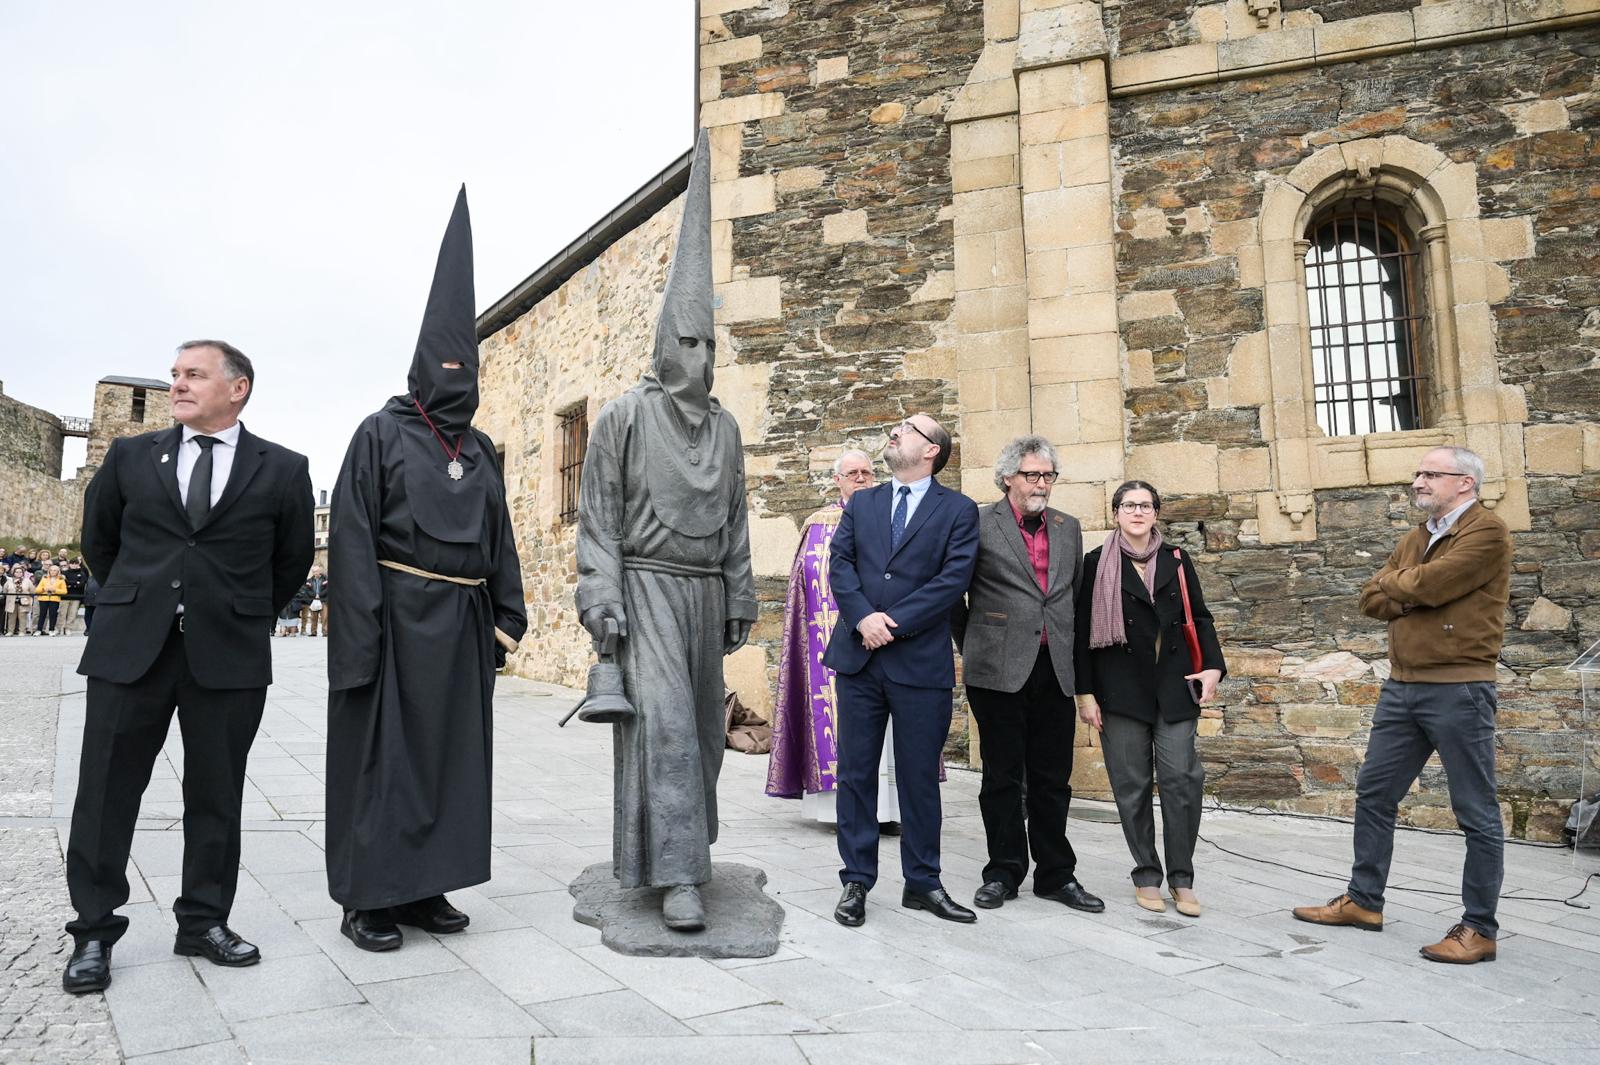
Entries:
{"x":997,"y":625}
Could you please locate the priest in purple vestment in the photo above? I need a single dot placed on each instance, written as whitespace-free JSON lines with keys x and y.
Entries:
{"x":805,"y":722}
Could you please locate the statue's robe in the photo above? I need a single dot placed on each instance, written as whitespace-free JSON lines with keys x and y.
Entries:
{"x":677,"y":590}
{"x":411,"y":667}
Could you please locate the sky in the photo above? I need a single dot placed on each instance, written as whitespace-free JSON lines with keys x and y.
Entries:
{"x":279,"y":176}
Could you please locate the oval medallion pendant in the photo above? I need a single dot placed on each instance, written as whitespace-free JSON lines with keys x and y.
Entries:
{"x":454,"y":470}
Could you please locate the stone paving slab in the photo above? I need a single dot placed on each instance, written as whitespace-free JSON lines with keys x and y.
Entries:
{"x":1031,"y":982}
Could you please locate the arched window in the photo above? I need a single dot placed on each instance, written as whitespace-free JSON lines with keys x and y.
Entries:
{"x":1366,"y":308}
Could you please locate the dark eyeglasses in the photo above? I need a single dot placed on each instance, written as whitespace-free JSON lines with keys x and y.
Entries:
{"x":1137,"y":508}
{"x":895,"y":434}
{"x":1035,"y":476}
{"x":1434,"y":475}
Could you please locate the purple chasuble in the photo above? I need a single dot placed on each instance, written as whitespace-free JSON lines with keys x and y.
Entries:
{"x":805,"y":753}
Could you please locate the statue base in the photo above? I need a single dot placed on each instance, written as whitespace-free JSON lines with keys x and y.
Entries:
{"x":741,"y":921}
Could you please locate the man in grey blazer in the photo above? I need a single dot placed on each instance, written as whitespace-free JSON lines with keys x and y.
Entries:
{"x":1015,"y":634}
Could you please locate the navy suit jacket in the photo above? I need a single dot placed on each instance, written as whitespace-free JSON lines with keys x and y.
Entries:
{"x":917,"y":584}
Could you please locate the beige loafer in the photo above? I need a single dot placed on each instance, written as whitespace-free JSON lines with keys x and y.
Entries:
{"x":1187,"y":907}
{"x":1154,"y":905}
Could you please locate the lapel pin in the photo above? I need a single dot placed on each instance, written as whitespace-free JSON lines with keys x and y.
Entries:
{"x":165,"y":457}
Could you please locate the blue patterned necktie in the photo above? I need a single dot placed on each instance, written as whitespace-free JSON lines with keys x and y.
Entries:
{"x":897,"y":524}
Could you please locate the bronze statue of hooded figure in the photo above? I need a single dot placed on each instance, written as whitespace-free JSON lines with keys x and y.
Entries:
{"x":664,"y":550}
{"x":421,"y":540}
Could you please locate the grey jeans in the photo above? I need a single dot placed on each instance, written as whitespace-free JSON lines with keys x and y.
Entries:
{"x":1137,"y":755}
{"x":1411,"y":722}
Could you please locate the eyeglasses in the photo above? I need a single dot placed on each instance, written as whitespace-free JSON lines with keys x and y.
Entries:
{"x":1035,"y":476}
{"x":1137,"y":508}
{"x":899,"y":429}
{"x":856,"y":475}
{"x":1434,"y":475}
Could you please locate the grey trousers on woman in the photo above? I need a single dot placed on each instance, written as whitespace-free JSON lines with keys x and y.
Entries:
{"x":1137,"y":755}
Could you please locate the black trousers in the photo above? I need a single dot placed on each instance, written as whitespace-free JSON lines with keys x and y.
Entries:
{"x":125,"y":728}
{"x":1026,"y":736}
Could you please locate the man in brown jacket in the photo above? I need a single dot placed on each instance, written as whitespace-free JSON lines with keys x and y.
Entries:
{"x":1443,"y":593}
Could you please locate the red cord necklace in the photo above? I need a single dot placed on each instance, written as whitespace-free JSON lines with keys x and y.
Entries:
{"x":454,"y":468}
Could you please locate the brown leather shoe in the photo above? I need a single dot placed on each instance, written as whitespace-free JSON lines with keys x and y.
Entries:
{"x":1461,"y":946}
{"x":1340,"y":910}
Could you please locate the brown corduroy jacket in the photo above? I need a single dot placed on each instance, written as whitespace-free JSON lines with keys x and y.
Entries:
{"x":1445,"y":607}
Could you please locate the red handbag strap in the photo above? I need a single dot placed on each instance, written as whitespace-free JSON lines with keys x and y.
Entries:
{"x":1183,"y":588}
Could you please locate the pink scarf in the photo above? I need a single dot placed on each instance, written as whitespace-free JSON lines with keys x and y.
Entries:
{"x":1106,"y":625}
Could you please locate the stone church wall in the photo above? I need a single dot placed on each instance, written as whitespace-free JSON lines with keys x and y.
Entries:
{"x":34,"y":501}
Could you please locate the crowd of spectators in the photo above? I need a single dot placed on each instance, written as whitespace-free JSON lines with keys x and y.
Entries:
{"x":45,"y":593}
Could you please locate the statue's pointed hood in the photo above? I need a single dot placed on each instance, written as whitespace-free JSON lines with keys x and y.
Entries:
{"x":685,"y":353}
{"x":449,"y":332}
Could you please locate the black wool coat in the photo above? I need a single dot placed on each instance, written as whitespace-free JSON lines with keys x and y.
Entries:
{"x":1130,"y":679}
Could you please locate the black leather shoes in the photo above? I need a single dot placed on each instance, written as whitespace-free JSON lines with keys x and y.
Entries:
{"x":218,"y":944}
{"x":1073,"y":894}
{"x":372,"y":930}
{"x":939,"y":903}
{"x":852,"y":908}
{"x":89,"y":968}
{"x":888,"y":828}
{"x":993,"y":895}
{"x":434,"y":915}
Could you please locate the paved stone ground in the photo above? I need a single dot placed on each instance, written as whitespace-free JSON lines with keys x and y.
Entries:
{"x":1033,"y":982}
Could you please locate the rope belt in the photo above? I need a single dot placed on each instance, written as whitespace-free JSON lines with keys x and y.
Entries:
{"x":470,"y":582}
{"x":501,"y":637}
{"x":676,"y":569}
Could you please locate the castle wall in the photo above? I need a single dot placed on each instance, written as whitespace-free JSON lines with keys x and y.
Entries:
{"x":34,"y":501}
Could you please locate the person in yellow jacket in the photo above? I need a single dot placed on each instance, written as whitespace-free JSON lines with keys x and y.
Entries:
{"x":52,"y":586}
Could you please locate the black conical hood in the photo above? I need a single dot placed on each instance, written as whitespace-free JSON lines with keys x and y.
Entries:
{"x":449,"y":332}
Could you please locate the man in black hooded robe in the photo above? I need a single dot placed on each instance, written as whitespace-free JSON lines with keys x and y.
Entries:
{"x":430,"y":602}
{"x":664,"y":552}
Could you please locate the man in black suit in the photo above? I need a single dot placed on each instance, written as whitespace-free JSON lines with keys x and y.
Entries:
{"x":198,"y":535}
{"x":899,"y":562}
{"x":1015,"y":632}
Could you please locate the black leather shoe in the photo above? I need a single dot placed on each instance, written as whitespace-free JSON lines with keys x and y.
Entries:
{"x":888,"y":828}
{"x":852,"y":908}
{"x":1073,"y":894}
{"x":89,"y":968}
{"x":219,"y":945}
{"x":939,"y":903}
{"x":434,"y":915}
{"x":993,"y":894}
{"x":372,"y":930}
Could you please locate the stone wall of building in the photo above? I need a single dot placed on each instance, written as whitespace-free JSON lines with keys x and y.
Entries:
{"x":34,"y":501}
{"x":117,"y":414}
{"x":586,"y":343}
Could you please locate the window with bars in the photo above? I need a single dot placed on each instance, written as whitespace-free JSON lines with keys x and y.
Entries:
{"x":572,"y":430}
{"x":1365,"y":320}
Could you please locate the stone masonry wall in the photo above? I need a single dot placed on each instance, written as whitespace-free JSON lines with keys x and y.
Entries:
{"x":113,"y":417}
{"x":1192,"y":167}
{"x":1137,"y":26}
{"x":586,"y":343}
{"x":34,"y":501}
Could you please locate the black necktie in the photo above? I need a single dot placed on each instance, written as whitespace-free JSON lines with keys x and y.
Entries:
{"x":199,"y":502}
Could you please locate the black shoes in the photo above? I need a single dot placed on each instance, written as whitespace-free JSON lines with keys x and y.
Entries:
{"x":852,"y":908}
{"x":434,"y":915}
{"x":888,"y":828}
{"x":372,"y":930}
{"x":218,"y":944}
{"x":1073,"y":894}
{"x":939,"y":903}
{"x":89,"y":968}
{"x":993,"y":895}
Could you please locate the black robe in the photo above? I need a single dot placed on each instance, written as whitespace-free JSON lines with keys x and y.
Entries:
{"x":411,"y":676}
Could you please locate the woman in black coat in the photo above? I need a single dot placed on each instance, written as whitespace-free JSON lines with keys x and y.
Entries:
{"x":1137,"y":685}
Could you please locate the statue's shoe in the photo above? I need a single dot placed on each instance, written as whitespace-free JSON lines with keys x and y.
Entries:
{"x":682,"y":909}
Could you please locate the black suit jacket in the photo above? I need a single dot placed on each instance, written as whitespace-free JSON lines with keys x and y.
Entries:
{"x":997,"y":626}
{"x":232,"y":574}
{"x":917,"y":583}
{"x":1128,"y":679}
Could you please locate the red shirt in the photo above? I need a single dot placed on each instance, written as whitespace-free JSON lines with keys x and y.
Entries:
{"x":1038,"y":545}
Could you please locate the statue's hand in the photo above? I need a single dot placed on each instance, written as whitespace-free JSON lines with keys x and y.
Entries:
{"x":738,"y":631}
{"x":594,"y":620}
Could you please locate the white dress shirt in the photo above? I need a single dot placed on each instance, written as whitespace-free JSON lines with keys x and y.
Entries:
{"x":1442,"y":526}
{"x":918,"y":490}
{"x":222,"y":453}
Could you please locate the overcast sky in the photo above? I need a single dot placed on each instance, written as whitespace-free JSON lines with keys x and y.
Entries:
{"x":279,"y":176}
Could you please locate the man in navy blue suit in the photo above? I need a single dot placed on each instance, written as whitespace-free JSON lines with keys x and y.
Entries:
{"x":901,"y":559}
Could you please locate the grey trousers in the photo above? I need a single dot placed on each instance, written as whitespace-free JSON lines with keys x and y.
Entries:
{"x":1411,"y":722}
{"x":1137,"y":755}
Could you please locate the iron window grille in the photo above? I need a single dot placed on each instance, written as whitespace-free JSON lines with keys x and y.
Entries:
{"x":573,"y":432}
{"x":1361,"y":277}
